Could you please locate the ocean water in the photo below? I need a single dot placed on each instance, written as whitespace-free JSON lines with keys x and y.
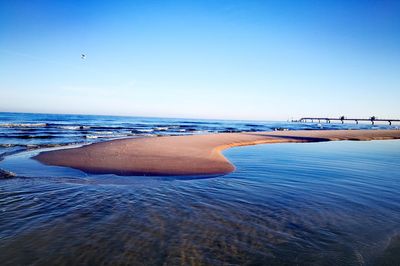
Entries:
{"x":330,"y":203}
{"x":22,"y":131}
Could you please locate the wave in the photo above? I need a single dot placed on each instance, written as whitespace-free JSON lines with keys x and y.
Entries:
{"x":91,"y":137}
{"x":186,"y":126}
{"x":162,"y":128}
{"x":280,"y":129}
{"x":253,"y":125}
{"x":37,"y":146}
{"x":103,"y":132}
{"x":108,"y":128}
{"x":142,"y":130}
{"x":74,"y":127}
{"x":9,"y":145}
{"x":189,"y":129}
{"x":23,"y":125}
{"x":6,"y":174}
{"x":106,"y":136}
{"x":29,"y":136}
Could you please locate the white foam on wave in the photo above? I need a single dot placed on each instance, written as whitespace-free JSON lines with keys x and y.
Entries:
{"x":69,"y":127}
{"x":73,"y":127}
{"x":104,"y":132}
{"x":106,"y":136}
{"x":8,"y":145}
{"x":23,"y":125}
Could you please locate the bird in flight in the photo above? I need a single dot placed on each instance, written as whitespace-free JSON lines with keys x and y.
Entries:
{"x":83,"y":56}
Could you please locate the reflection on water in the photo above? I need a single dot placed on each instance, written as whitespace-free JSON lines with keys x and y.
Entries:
{"x":334,"y":203}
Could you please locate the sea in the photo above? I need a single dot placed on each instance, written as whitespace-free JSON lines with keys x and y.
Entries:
{"x":26,"y":131}
{"x":328,"y":203}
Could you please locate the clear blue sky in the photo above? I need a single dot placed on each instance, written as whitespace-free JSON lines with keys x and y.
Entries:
{"x":268,"y":60}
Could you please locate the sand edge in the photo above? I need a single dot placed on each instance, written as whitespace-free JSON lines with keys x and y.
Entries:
{"x":186,"y":155}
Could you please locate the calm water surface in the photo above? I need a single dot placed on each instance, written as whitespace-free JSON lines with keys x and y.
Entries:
{"x":333,"y":203}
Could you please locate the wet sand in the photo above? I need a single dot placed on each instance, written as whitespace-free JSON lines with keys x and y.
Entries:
{"x":186,"y":155}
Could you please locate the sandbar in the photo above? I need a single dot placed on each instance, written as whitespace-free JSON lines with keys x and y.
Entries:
{"x":185,"y":155}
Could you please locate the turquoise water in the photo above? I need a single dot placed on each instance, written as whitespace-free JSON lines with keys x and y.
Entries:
{"x":331,"y":203}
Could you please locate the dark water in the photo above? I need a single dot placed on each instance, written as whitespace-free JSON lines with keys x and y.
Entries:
{"x":333,"y":203}
{"x":19,"y":131}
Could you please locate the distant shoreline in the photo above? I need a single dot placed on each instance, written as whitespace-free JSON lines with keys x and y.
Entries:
{"x":186,"y":155}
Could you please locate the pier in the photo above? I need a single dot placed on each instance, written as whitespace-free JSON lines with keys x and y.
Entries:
{"x":372,"y":119}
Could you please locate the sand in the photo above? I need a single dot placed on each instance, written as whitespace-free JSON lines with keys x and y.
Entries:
{"x":186,"y":155}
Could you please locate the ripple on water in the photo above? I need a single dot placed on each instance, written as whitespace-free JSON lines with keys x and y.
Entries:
{"x":305,"y":204}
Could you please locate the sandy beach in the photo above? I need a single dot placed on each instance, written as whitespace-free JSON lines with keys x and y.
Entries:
{"x":186,"y":155}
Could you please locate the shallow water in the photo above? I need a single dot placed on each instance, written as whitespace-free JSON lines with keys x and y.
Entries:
{"x":333,"y":203}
